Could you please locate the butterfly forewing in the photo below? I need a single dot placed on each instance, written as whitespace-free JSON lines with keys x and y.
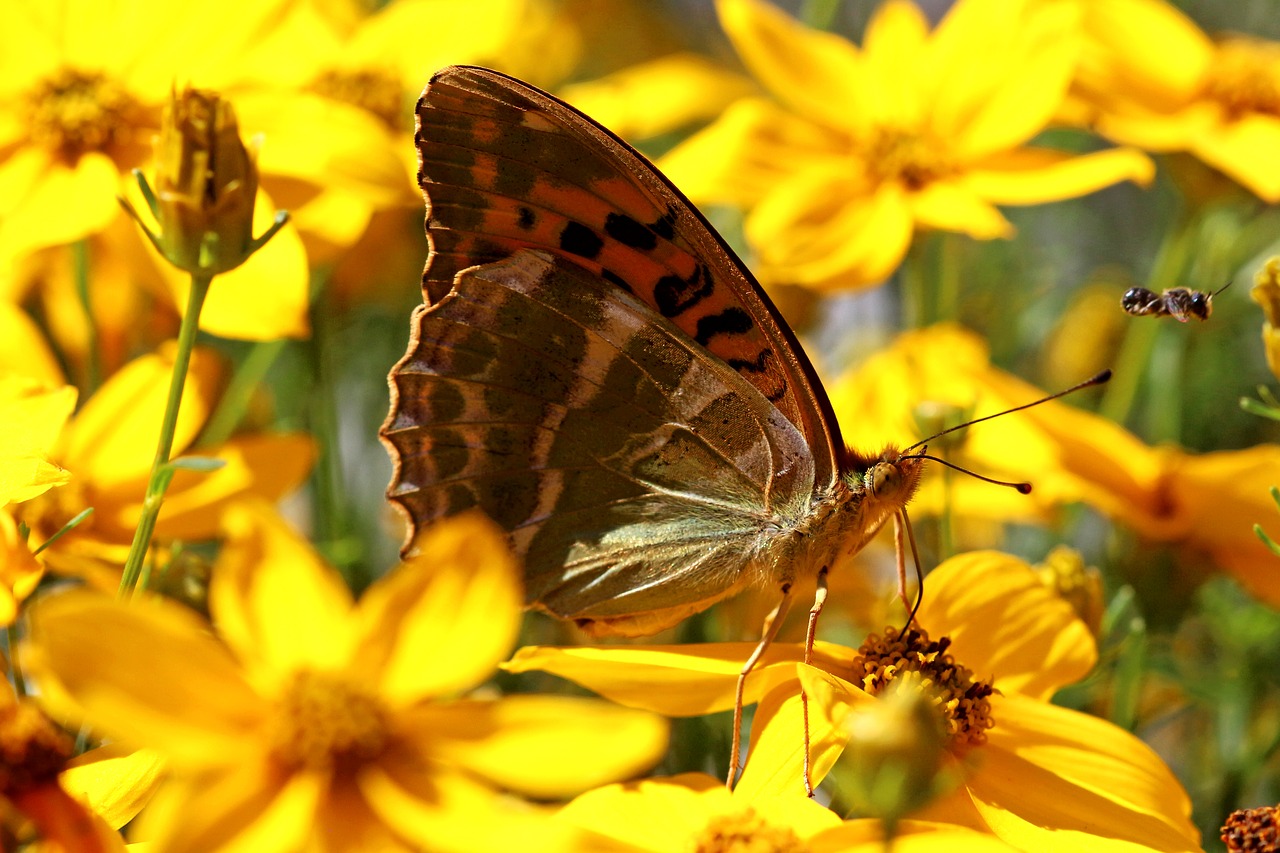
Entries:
{"x":505,"y":166}
{"x":635,"y":471}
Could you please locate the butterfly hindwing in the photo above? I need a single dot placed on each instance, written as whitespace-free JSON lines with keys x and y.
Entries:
{"x":505,"y":166}
{"x":634,"y":470}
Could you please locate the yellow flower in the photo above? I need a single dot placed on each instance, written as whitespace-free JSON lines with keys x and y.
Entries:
{"x":1037,"y":776}
{"x":325,"y":721}
{"x":109,"y":445}
{"x":1151,"y":78}
{"x":1204,"y":504}
{"x":81,"y":93}
{"x":915,"y":129}
{"x":1266,"y":292}
{"x":74,"y":804}
{"x":31,"y":417}
{"x":696,"y":812}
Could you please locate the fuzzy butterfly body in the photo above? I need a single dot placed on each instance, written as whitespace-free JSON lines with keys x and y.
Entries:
{"x":595,"y":370}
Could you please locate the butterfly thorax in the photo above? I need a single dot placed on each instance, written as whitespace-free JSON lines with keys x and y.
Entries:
{"x":842,"y":519}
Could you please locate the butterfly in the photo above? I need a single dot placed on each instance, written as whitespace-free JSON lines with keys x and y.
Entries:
{"x":596,"y":370}
{"x":1181,"y":303}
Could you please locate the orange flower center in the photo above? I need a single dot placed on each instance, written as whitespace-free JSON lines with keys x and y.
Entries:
{"x":962,"y":700}
{"x":1245,"y":77}
{"x":326,"y":722}
{"x":1252,"y":829}
{"x":903,"y":156}
{"x":373,"y":90}
{"x":746,"y":832}
{"x":77,"y":112}
{"x":32,"y":749}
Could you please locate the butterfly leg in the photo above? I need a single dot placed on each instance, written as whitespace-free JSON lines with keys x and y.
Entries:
{"x":819,"y":602}
{"x":772,"y":623}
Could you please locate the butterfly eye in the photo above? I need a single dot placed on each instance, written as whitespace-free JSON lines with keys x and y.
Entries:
{"x":879,"y":475}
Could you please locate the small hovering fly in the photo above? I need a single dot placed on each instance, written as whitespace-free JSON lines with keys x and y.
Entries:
{"x":1181,"y":303}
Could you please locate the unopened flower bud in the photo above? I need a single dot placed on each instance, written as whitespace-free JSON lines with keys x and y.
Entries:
{"x":1064,"y":571}
{"x":895,"y":751}
{"x":206,"y":181}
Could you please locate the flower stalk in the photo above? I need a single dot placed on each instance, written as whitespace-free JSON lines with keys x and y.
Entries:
{"x":206,"y":184}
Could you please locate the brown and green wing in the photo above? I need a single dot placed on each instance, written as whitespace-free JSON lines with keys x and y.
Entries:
{"x":505,"y":166}
{"x":635,"y":472}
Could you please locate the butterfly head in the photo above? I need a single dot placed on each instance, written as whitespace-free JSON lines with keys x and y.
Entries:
{"x":889,"y":477}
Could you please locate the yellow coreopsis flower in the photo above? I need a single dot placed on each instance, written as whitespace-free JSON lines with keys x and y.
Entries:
{"x":1205,"y":504}
{"x":1150,"y":77}
{"x":81,"y":93}
{"x":696,"y":812}
{"x":110,"y":444}
{"x":1035,"y":775}
{"x":915,"y":129}
{"x":322,"y":723}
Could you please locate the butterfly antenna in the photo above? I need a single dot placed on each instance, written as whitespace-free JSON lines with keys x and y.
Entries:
{"x":1102,"y":377}
{"x":1023,"y":488}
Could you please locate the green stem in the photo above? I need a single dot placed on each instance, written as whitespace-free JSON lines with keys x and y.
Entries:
{"x":161,"y":472}
{"x":235,"y":400}
{"x":93,"y":358}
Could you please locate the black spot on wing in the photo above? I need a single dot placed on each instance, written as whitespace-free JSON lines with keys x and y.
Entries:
{"x":580,"y":240}
{"x":628,"y":232}
{"x":730,"y":321}
{"x":674,"y":295}
{"x":526,"y":218}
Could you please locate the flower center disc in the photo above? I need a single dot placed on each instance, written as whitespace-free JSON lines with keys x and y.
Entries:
{"x":746,"y":832}
{"x":77,"y":112}
{"x":325,"y":722}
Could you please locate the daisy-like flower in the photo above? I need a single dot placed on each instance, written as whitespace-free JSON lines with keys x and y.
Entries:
{"x":1150,"y":77}
{"x":109,"y":446}
{"x":696,"y":812}
{"x":322,"y":723}
{"x":1203,"y":504}
{"x":74,"y":804}
{"x":1035,"y":775}
{"x":82,"y":88}
{"x":915,"y":129}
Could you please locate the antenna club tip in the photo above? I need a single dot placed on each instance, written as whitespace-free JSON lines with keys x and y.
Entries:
{"x":1023,"y":488}
{"x":1104,"y":376}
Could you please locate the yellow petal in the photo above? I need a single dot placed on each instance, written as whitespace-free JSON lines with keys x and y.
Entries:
{"x":453,"y":813}
{"x":114,"y":781}
{"x":440,"y":622}
{"x":1027,"y":57}
{"x":548,"y":747}
{"x":824,"y":229}
{"x":276,"y":603}
{"x":51,"y":204}
{"x":894,"y":41}
{"x":651,"y":815}
{"x":113,"y":439}
{"x":23,"y":349}
{"x":775,"y":757}
{"x":1056,"y":779}
{"x":248,"y":807}
{"x":1130,"y":42}
{"x":31,"y":417}
{"x":743,"y":155}
{"x":1005,"y":624}
{"x":808,"y":70}
{"x":677,"y":681}
{"x":954,"y":206}
{"x":1038,"y":175}
{"x":148,"y":673}
{"x":265,"y":466}
{"x":660,"y":95}
{"x":1243,"y":149}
